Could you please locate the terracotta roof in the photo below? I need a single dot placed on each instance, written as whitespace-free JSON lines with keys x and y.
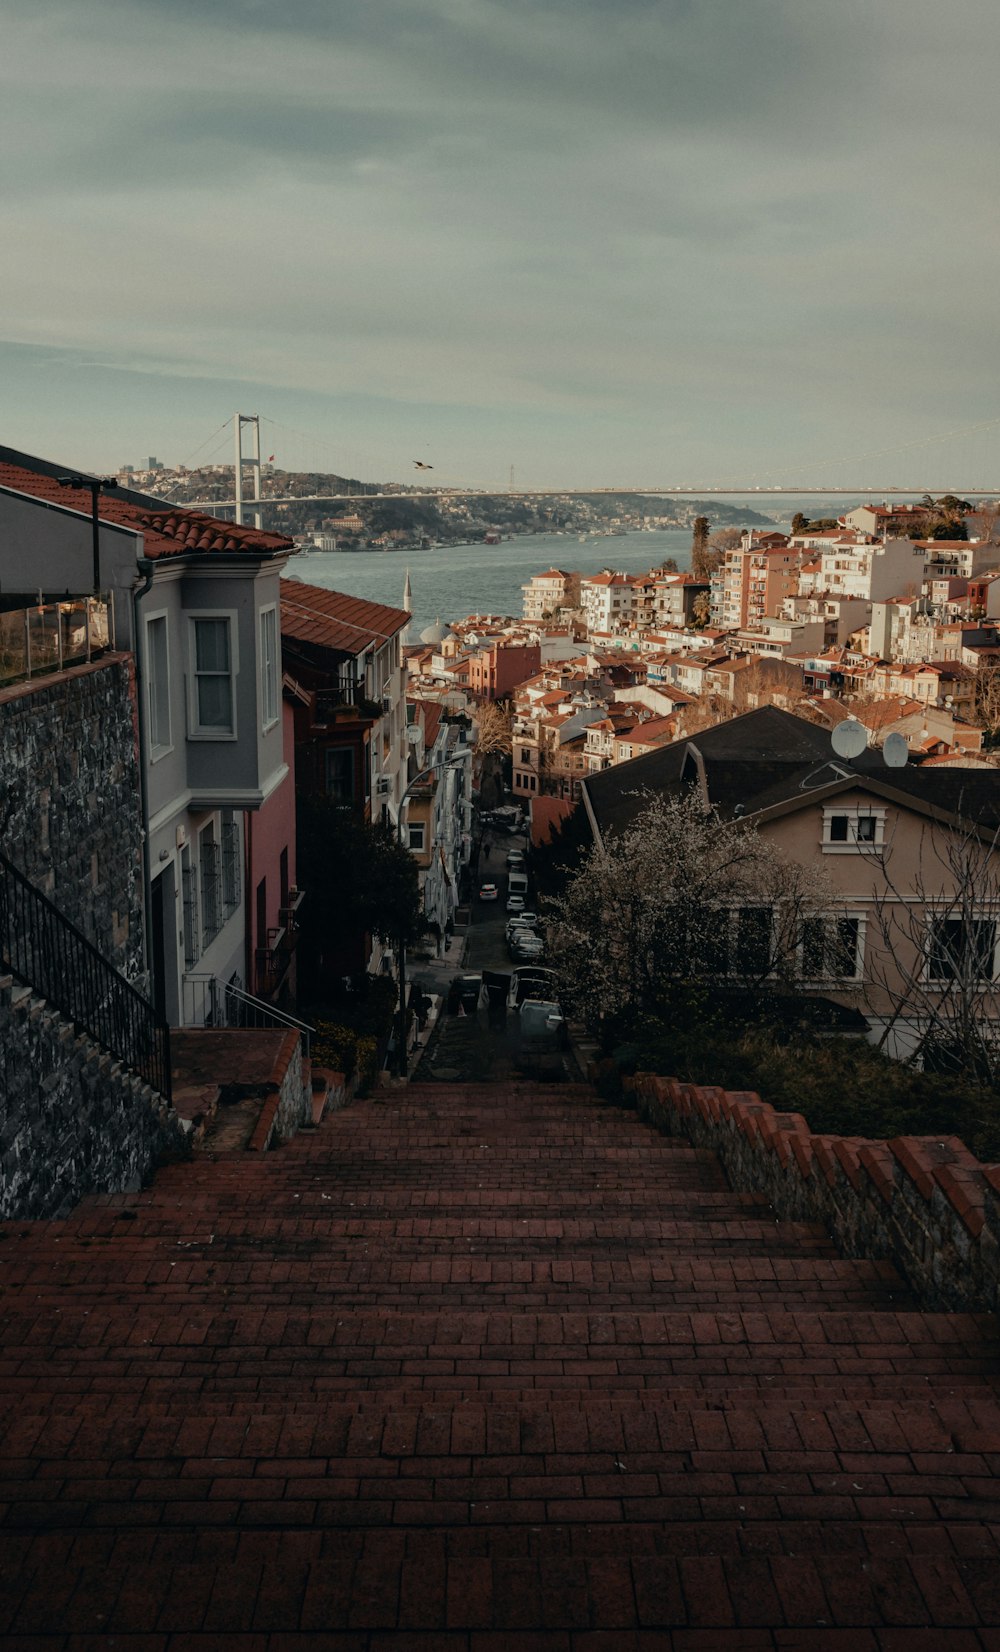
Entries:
{"x":547,"y":815}
{"x":331,"y":619}
{"x":430,"y":713}
{"x":167,"y":530}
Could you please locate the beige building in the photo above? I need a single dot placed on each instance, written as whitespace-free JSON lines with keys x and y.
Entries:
{"x":909,"y":931}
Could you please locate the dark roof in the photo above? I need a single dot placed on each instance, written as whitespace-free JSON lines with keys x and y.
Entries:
{"x":770,"y":759}
{"x":167,"y":530}
{"x":331,"y":619}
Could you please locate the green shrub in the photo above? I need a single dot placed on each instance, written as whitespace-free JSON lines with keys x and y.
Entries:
{"x":841,"y":1086}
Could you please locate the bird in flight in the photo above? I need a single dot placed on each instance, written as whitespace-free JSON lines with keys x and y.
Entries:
{"x":418,"y":464}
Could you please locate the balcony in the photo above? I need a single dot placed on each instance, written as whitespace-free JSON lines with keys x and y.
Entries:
{"x":52,"y":636}
{"x":271,"y":962}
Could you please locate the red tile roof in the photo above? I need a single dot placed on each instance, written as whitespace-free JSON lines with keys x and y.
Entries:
{"x":167,"y":530}
{"x":331,"y":619}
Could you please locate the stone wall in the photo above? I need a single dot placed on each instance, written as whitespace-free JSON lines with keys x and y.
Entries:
{"x":70,"y":801}
{"x":288,"y":1105}
{"x":922,"y":1201}
{"x":72,"y":1120}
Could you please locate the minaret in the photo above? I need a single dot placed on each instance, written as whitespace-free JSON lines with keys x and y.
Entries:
{"x":407,"y":604}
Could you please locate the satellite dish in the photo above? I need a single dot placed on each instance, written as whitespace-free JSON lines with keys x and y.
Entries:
{"x":849,"y":738}
{"x":895,"y":751}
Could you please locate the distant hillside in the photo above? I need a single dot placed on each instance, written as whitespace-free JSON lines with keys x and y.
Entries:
{"x":447,"y":519}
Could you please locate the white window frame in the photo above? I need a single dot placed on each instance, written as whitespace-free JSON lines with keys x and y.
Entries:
{"x":158,"y":748}
{"x":853,"y":844}
{"x":861,"y":918}
{"x":196,"y":731}
{"x":419,"y":826}
{"x":943,"y":983}
{"x":270,"y":670}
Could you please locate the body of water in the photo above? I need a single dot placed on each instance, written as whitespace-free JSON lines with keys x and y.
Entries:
{"x":452,"y":581}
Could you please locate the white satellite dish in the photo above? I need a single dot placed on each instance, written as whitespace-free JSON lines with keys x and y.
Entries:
{"x":849,"y":738}
{"x":895,"y":751}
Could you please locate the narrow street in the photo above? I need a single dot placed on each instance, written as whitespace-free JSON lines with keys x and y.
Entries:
{"x":484,"y":1047}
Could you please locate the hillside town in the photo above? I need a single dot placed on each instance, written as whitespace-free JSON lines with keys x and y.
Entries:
{"x":862,"y":620}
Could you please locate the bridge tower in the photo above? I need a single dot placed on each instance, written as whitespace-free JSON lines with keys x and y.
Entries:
{"x":244,"y":459}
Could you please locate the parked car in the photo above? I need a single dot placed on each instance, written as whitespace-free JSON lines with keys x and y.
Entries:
{"x":524,"y":920}
{"x":530,"y":982}
{"x":465,"y":992}
{"x":543,"y":1020}
{"x":490,"y":892}
{"x":515,"y":903}
{"x":515,"y":860}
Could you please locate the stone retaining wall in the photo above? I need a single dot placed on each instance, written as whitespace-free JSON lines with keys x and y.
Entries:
{"x":70,"y":808}
{"x":73,"y":1120}
{"x":923,"y":1201}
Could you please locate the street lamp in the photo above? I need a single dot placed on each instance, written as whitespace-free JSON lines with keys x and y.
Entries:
{"x":435,"y":768}
{"x":96,"y":484}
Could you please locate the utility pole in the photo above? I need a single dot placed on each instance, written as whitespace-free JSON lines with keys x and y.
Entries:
{"x":252,"y":459}
{"x":96,"y":485}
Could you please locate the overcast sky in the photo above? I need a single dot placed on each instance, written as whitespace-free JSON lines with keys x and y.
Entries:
{"x":598,"y":240}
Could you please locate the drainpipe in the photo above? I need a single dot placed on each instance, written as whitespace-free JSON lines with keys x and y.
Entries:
{"x":145,"y":568}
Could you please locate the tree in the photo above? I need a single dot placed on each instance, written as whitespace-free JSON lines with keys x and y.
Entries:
{"x":987,"y":709}
{"x":710,"y":553}
{"x":799,"y":522}
{"x":701,"y":610}
{"x":669,"y":565}
{"x":493,"y":720}
{"x":361,"y":881}
{"x":700,"y":544}
{"x":677,"y":901}
{"x":771,"y":682}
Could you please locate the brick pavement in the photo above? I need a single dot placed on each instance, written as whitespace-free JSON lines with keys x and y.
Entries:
{"x":483,"y":1371}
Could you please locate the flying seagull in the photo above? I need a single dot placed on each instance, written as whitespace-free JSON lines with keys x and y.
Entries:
{"x":418,"y":464}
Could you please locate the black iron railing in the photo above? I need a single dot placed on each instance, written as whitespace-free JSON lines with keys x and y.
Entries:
{"x":51,"y":956}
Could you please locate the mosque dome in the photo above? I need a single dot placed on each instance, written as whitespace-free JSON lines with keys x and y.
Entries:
{"x":436,"y":633}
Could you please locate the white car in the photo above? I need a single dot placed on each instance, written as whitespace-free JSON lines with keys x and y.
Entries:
{"x":515,"y":903}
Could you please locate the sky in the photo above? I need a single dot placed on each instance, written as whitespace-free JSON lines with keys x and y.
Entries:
{"x":603,"y":242}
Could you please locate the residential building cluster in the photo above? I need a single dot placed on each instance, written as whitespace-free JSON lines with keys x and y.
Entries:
{"x":251,"y":691}
{"x":856,"y":619}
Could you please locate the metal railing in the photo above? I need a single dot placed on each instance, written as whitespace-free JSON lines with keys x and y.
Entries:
{"x":52,"y":957}
{"x":52,"y":636}
{"x":210,"y":1002}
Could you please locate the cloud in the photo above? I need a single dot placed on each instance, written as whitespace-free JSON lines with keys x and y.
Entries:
{"x":540,"y":209}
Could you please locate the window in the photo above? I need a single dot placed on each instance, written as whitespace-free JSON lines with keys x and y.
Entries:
{"x":831,"y":947}
{"x":269,"y":666}
{"x":340,"y":774}
{"x":230,"y":864}
{"x":850,"y":831}
{"x":158,"y":684}
{"x":189,"y":892}
{"x":210,"y":856}
{"x":213,"y":709}
{"x":961,"y":949}
{"x":417,"y":835}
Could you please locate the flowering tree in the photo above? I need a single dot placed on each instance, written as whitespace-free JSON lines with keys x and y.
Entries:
{"x":678,"y":898}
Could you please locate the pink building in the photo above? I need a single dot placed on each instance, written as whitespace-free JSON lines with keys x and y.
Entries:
{"x":272,"y":899}
{"x":496,"y":669}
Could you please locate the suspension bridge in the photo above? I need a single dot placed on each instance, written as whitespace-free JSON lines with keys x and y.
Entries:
{"x":251,"y":491}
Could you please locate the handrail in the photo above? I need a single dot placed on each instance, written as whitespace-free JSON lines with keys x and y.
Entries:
{"x":40,"y":945}
{"x":240,"y":1006}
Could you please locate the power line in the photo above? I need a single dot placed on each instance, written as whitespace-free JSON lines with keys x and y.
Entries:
{"x":208,"y":439}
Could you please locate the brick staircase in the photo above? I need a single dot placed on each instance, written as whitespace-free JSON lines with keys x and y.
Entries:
{"x":483,"y":1370}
